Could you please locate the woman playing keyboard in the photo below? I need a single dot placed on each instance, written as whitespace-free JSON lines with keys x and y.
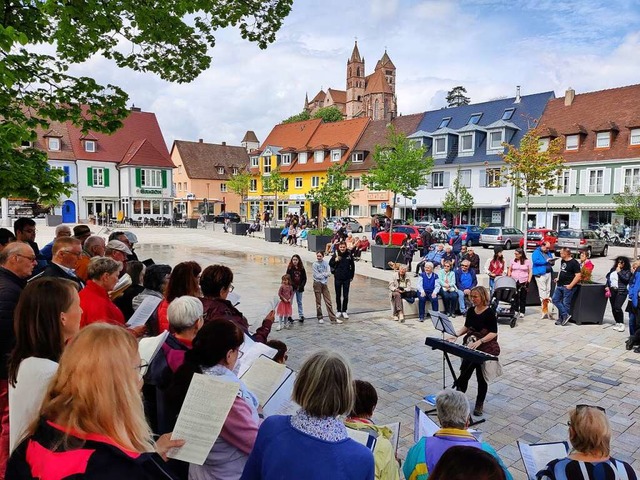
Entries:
{"x":480,"y":332}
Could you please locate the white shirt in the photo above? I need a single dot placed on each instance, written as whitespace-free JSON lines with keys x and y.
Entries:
{"x":25,"y":399}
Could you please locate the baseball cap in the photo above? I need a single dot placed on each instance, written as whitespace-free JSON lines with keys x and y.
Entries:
{"x":131,"y":237}
{"x":118,"y":245}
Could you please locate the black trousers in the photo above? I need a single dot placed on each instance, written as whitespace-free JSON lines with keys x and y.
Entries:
{"x":521,"y":297}
{"x":466,"y":370}
{"x":342,"y":294}
{"x":617,"y":299}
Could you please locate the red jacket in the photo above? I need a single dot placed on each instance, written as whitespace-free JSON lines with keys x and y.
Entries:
{"x":98,"y":307}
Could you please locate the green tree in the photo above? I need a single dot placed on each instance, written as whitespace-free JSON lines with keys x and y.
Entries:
{"x":334,"y":193}
{"x":400,"y":168}
{"x":329,"y":114}
{"x":457,"y":97}
{"x":299,"y":117}
{"x":170,"y":39}
{"x":628,"y":204}
{"x":239,"y":184}
{"x":275,"y":183}
{"x":457,"y":199}
{"x":532,"y":169}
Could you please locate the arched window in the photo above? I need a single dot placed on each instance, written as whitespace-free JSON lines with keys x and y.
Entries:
{"x":375,"y":109}
{"x":357,"y":71}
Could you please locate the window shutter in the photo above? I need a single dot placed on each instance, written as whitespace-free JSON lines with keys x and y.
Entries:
{"x":584,"y":186}
{"x":138,"y":177}
{"x":447,"y":179}
{"x":106,"y":177}
{"x":164,"y":178}
{"x":618,"y":186}
{"x":573,"y":176}
{"x":606,"y":181}
{"x":483,"y":177}
{"x":90,"y":176}
{"x":67,"y":176}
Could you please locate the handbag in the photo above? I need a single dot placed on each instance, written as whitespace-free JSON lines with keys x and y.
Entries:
{"x":491,"y":370}
{"x":409,"y":294}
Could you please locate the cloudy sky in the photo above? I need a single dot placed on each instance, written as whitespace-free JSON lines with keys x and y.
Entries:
{"x":489,"y":46}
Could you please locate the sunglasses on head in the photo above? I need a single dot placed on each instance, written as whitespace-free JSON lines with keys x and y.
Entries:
{"x":581,"y":407}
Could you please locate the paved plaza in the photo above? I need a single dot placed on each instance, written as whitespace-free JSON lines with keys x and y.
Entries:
{"x":547,"y":369}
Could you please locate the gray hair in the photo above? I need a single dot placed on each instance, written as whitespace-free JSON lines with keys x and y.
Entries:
{"x":453,"y":409}
{"x":98,"y":266}
{"x":184,"y":312}
{"x":428,"y":264}
{"x":448,"y":248}
{"x":12,"y":248}
{"x":60,"y":228}
{"x":92,"y":241}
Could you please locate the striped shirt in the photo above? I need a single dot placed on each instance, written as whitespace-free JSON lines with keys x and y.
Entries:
{"x":568,"y":469}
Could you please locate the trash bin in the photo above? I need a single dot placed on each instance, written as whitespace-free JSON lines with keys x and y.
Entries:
{"x":193,"y":223}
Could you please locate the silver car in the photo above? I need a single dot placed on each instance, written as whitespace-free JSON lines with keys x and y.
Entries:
{"x":356,"y":227}
{"x":503,"y":236}
{"x":578,"y":239}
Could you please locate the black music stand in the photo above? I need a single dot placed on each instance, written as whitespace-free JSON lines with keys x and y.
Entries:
{"x":442,"y":323}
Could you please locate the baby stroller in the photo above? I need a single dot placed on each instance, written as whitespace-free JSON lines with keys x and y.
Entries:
{"x":503,"y":300}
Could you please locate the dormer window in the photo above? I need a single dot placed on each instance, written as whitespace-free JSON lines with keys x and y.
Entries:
{"x":302,"y":157}
{"x":474,"y":119}
{"x":495,"y":140}
{"x":220,"y":170}
{"x":466,"y":142}
{"x":318,"y":156}
{"x":26,"y":144}
{"x":444,"y":123}
{"x":571,"y":142}
{"x":634,"y":137}
{"x":357,"y":157}
{"x":336,"y":155}
{"x":440,"y":146}
{"x":285,"y":159}
{"x":508,"y":114}
{"x":254,"y":162}
{"x":90,"y":146}
{"x":266,"y":165}
{"x":603,"y":139}
{"x":53,"y":144}
{"x":543,"y":144}
{"x":234,"y":171}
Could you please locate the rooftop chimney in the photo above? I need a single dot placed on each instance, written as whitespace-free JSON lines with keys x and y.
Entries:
{"x":518,"y":98}
{"x":224,"y":144}
{"x":199,"y":140}
{"x":569,"y":96}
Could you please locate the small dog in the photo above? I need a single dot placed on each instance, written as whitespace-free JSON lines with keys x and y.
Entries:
{"x":396,"y":266}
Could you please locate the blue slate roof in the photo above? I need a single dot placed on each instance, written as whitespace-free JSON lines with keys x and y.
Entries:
{"x":524,"y":117}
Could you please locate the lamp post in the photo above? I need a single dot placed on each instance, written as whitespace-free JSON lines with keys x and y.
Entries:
{"x":546,"y":207}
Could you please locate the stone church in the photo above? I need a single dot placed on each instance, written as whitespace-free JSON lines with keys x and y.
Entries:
{"x":372,"y":96}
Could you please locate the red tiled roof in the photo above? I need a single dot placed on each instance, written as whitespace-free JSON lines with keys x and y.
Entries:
{"x":61,"y":131}
{"x":338,"y":96}
{"x":606,"y":127}
{"x":385,"y":62}
{"x":137,"y":127}
{"x":201,"y":160}
{"x":319,"y":97}
{"x":141,"y":154}
{"x":377,"y":83}
{"x":250,"y":137}
{"x":589,"y":110}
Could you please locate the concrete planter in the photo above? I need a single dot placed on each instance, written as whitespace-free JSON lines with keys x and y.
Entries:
{"x":272,"y":234}
{"x":53,"y":220}
{"x":381,"y":255}
{"x":239,"y":228}
{"x":317,"y":243}
{"x":533,"y":295}
{"x":588,"y":303}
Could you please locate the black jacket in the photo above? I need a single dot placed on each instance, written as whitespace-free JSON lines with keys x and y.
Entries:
{"x":342,"y":266}
{"x":11,"y":287}
{"x":55,"y":271}
{"x":303,"y":279}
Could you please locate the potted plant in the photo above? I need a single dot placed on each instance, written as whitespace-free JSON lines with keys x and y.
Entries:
{"x":400,"y":167}
{"x":317,"y":239}
{"x":239,"y":184}
{"x":273,"y":183}
{"x":589,"y":301}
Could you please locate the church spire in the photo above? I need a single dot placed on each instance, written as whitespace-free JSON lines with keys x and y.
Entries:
{"x":355,"y":55}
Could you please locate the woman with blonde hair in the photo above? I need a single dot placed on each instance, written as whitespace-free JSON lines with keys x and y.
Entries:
{"x":315,"y":437}
{"x":92,"y":415}
{"x":590,"y":459}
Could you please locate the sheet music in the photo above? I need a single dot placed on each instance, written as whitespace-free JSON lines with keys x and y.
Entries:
{"x":251,"y":351}
{"x":148,"y":347}
{"x":281,"y":402}
{"x":362,"y":438}
{"x":423,"y":426}
{"x":536,"y":456}
{"x":395,"y":438}
{"x":442,"y":323}
{"x":264,"y":377}
{"x":202,"y":415}
{"x":144,"y":311}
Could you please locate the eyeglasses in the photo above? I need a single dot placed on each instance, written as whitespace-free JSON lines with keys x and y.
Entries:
{"x":240,"y":353}
{"x":31,"y":258}
{"x":77,"y":254}
{"x":142,"y":369}
{"x":231,"y":287}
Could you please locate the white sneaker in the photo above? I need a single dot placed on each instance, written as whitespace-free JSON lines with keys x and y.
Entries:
{"x":339,"y":314}
{"x":522,"y":315}
{"x":320,"y":320}
{"x":345,"y":316}
{"x":619,"y":327}
{"x":278,"y":327}
{"x":338,"y":321}
{"x":395,"y":318}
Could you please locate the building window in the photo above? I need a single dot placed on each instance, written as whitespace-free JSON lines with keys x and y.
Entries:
{"x":508,"y":113}
{"x":354,"y":210}
{"x":223,"y":187}
{"x":437,"y":179}
{"x":98,"y":177}
{"x":267,"y":165}
{"x":150,"y":178}
{"x":493,"y":177}
{"x":302,"y":157}
{"x":90,"y":146}
{"x":357,"y":157}
{"x":495,"y":140}
{"x":596,"y":178}
{"x":543,"y":144}
{"x":634,"y":137}
{"x":373,"y":209}
{"x":54,"y":144}
{"x":631,"y":178}
{"x":465,"y":178}
{"x":444,"y":122}
{"x":603,"y":140}
{"x":285,"y":159}
{"x":416,"y":143}
{"x":253,"y":185}
{"x":318,"y":156}
{"x":440,"y":146}
{"x":220,"y":170}
{"x":234,"y":171}
{"x":466,"y":143}
{"x":571,"y":142}
{"x":336,"y":155}
{"x":354,"y":183}
{"x":298,"y":182}
{"x":474,"y":119}
{"x":315,"y":182}
{"x":563,"y":182}
{"x":178,"y":186}
{"x":254,"y":162}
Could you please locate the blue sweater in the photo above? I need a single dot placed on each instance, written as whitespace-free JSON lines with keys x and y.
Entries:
{"x":539,"y":261}
{"x":282,"y":453}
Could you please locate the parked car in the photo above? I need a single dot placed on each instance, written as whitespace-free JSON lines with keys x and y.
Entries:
{"x":381,"y":217}
{"x":535,"y":237}
{"x":503,"y":236}
{"x":398,"y":234}
{"x":232,"y":216}
{"x":470,"y":234}
{"x":355,"y":225}
{"x":581,"y":239}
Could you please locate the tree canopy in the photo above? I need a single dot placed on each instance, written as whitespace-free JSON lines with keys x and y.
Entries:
{"x":170,"y":39}
{"x":457,"y":96}
{"x":327,"y":114}
{"x":457,"y":199}
{"x":334,"y":193}
{"x":239,"y":184}
{"x":628,"y":204}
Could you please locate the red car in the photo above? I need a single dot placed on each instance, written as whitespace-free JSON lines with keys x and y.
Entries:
{"x":535,"y":236}
{"x":398,"y":234}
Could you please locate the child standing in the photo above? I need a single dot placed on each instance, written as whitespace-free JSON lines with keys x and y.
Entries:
{"x":284,"y":310}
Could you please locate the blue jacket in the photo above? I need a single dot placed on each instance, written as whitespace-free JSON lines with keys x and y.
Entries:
{"x":474,"y":279}
{"x":435,"y":256}
{"x":539,"y":261}
{"x":634,"y":288}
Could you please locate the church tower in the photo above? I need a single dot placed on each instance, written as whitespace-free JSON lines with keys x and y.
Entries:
{"x":355,"y":83}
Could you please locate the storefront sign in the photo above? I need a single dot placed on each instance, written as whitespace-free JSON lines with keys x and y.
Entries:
{"x":377,"y":196}
{"x":150,"y":192}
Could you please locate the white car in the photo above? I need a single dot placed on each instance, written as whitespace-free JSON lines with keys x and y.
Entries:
{"x":356,"y":227}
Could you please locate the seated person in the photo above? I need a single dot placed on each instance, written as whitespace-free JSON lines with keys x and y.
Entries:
{"x":302,"y":236}
{"x":284,"y":233}
{"x":428,"y":288}
{"x":387,"y":467}
{"x":449,"y":256}
{"x":351,"y":242}
{"x":462,"y":463}
{"x":590,"y":437}
{"x":293,"y":234}
{"x":434,"y":255}
{"x":254,"y":227}
{"x":448,"y":289}
{"x":453,"y":415}
{"x":465,"y":280}
{"x":364,"y":244}
{"x":400,"y":287}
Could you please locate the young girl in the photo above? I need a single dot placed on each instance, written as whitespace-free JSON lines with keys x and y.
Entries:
{"x":298,"y":276}
{"x":494,"y":267}
{"x":284,"y":310}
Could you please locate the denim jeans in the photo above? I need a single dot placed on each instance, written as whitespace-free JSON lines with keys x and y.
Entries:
{"x":562,"y":300}
{"x":461,"y":303}
{"x":299,"y":300}
{"x":422,"y":302}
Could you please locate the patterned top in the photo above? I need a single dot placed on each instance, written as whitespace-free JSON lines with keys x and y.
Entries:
{"x":329,"y":429}
{"x":566,"y":468}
